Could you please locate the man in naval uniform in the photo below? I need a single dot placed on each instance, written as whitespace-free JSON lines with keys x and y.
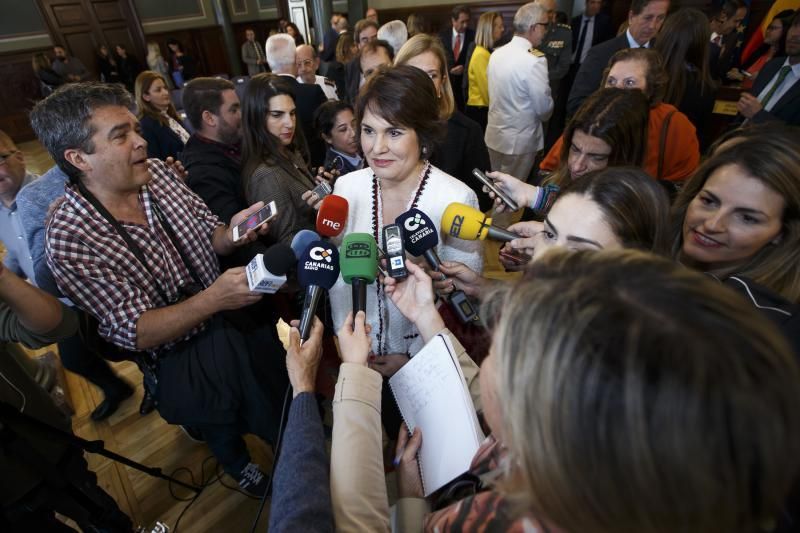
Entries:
{"x":307,"y":61}
{"x":557,"y":46}
{"x":519,"y":95}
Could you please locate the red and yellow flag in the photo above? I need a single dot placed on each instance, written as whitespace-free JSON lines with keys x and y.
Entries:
{"x":757,"y":39}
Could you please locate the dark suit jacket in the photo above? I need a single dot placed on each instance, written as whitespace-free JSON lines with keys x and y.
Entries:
{"x":308,"y":98}
{"x":603,"y":30}
{"x":162,"y":142}
{"x":589,"y":76}
{"x":329,"y":45}
{"x":462,"y":150}
{"x":335,"y":71}
{"x":446,"y":37}
{"x":787,"y":109}
{"x":352,"y":76}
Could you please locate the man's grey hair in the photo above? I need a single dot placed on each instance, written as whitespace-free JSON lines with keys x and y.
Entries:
{"x":527,"y":16}
{"x":62,"y":121}
{"x":281,"y":53}
{"x":395,"y":33}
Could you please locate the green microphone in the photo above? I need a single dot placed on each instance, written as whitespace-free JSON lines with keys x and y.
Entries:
{"x":358,"y":262}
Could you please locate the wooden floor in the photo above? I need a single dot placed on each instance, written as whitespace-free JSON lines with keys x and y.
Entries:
{"x":151,"y":441}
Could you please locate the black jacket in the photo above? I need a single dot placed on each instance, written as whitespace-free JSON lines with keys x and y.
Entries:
{"x":216,"y":178}
{"x":162,"y":142}
{"x":787,"y":109}
{"x":446,"y":36}
{"x":462,"y":150}
{"x":590,"y":75}
{"x":352,"y":77}
{"x":308,"y":98}
{"x":603,"y":30}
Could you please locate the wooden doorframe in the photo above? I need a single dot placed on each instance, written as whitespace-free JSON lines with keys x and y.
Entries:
{"x":131,"y":17}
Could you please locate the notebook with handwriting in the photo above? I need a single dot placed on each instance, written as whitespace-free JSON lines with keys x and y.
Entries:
{"x":432,"y":393}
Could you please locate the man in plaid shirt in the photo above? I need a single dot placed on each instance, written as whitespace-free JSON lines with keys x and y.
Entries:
{"x":166,"y":299}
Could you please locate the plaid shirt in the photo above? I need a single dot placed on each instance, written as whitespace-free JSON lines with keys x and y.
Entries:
{"x":94,"y":267}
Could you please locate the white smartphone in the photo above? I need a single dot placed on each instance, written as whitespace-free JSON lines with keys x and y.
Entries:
{"x":254,"y":221}
{"x":495,"y":189}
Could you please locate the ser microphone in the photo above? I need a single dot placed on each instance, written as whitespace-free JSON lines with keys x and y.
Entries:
{"x":420,"y":238}
{"x":359,"y":263}
{"x":465,"y":222}
{"x":266,"y":273}
{"x":317,"y":270}
{"x":332,"y":215}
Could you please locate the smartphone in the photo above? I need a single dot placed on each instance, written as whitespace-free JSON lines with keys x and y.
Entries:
{"x":260,"y":217}
{"x":337,"y":165}
{"x":506,"y":199}
{"x":746,"y":74}
{"x":322,"y":190}
{"x":518,"y":258}
{"x":395,"y":252}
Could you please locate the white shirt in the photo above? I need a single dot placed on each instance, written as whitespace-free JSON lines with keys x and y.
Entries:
{"x":587,"y":41}
{"x":788,"y":82}
{"x":519,"y":98}
{"x":328,"y":89}
{"x":632,"y":42}
{"x":440,"y":190}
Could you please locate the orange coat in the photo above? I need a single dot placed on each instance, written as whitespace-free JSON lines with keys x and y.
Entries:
{"x":681,"y":150}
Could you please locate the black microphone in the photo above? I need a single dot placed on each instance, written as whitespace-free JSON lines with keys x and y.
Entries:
{"x":317,"y":270}
{"x":421,"y":238}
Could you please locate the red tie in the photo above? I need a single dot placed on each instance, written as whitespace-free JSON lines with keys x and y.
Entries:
{"x":457,"y":46}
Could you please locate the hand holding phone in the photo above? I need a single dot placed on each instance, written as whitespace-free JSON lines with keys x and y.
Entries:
{"x":494,"y":188}
{"x":255,"y":220}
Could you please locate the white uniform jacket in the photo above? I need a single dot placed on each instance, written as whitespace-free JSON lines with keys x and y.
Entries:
{"x":519,"y":98}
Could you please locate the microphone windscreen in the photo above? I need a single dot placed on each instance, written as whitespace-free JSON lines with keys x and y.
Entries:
{"x":332,"y":215}
{"x":279,"y":259}
{"x":318,"y":265}
{"x":419,"y":232}
{"x":359,"y":257}
{"x":302,"y":239}
{"x":465,"y":222}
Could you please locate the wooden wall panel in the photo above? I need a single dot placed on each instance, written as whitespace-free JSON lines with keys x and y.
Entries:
{"x":18,"y":92}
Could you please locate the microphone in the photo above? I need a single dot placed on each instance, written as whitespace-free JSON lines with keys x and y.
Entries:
{"x":317,"y":270}
{"x":420,"y":238}
{"x":359,"y":262}
{"x":302,"y":239}
{"x":266,"y":273}
{"x":465,"y":222}
{"x":332,"y":215}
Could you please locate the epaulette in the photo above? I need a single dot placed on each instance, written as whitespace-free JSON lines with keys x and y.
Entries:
{"x":565,"y":26}
{"x":330,"y":82}
{"x":535,"y":52}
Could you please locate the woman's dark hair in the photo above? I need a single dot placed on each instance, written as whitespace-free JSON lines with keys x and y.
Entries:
{"x":325,"y":116}
{"x":404,"y":96}
{"x":258,"y":144}
{"x":617,"y":116}
{"x":655,"y":76}
{"x":785,"y":18}
{"x":683,"y":43}
{"x":634,"y":205}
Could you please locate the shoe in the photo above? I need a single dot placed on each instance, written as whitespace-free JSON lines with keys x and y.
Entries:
{"x":148,"y":403}
{"x":252,"y":480}
{"x":193,"y":433}
{"x":110,"y":404}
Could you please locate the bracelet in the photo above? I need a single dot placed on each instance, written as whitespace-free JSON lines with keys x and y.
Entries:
{"x":545,"y":197}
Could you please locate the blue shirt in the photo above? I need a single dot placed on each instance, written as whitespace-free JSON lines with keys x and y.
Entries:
{"x":18,"y":256}
{"x":33,"y":202}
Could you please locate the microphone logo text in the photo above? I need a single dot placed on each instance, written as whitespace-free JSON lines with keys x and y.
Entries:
{"x":319,"y":253}
{"x":455,"y":228}
{"x":332,"y":224}
{"x":413,"y":223}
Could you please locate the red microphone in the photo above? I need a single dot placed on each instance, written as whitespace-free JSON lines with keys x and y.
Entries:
{"x":332,"y":215}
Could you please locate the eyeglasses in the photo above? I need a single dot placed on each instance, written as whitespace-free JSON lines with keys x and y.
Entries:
{"x":305,"y":63}
{"x":4,"y":157}
{"x":545,"y":24}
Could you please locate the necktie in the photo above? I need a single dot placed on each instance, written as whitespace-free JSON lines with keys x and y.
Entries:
{"x":781,"y":76}
{"x":457,"y":46}
{"x":581,"y":41}
{"x":258,"y":50}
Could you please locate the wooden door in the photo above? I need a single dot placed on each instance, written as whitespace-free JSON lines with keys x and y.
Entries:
{"x":83,"y":25}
